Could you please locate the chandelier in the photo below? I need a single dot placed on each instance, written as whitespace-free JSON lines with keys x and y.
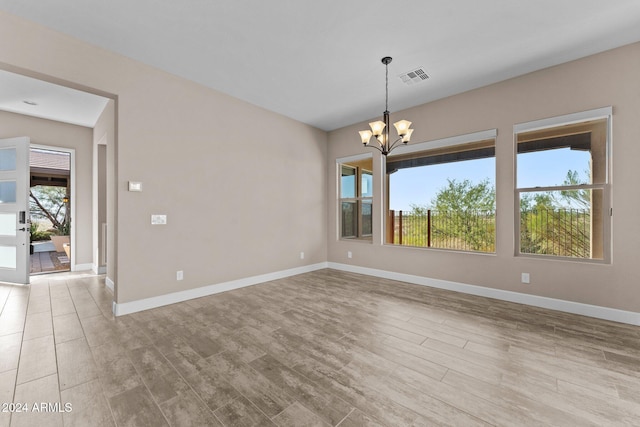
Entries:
{"x":380,"y":129}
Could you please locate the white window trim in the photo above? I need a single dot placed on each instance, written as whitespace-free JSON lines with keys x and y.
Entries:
{"x":446,"y":142}
{"x":567,"y":119}
{"x":354,"y":158}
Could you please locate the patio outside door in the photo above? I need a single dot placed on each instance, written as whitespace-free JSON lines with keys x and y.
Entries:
{"x":14,"y":210}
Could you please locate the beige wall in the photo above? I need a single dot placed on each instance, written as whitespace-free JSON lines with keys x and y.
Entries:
{"x":243,"y":188}
{"x":62,"y":135}
{"x":607,"y":79}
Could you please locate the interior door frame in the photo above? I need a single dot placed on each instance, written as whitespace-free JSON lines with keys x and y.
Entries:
{"x":112,"y":166}
{"x":72,"y":195}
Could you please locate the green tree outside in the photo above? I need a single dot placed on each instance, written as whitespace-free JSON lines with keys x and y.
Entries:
{"x":46,"y":202}
{"x":462,"y":216}
{"x":557,"y":223}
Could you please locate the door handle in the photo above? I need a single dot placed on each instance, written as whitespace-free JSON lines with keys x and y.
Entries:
{"x":21,"y":229}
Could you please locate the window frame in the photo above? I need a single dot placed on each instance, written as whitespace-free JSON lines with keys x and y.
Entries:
{"x":605,"y":113}
{"x":359,"y":200}
{"x":433,"y":145}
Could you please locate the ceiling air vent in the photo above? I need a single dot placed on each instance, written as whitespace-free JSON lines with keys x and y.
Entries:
{"x":414,"y":76}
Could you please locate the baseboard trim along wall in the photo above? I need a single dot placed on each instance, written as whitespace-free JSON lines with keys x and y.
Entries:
{"x":98,"y":270}
{"x":629,"y":317}
{"x":109,"y":284}
{"x":82,"y":267}
{"x":175,"y":297}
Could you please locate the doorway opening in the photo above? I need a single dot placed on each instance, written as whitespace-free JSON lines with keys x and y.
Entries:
{"x":50,"y":210}
{"x":92,"y":196}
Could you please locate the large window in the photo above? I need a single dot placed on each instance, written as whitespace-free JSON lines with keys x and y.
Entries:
{"x":561,"y":190}
{"x":442,"y":194}
{"x":356,"y":197}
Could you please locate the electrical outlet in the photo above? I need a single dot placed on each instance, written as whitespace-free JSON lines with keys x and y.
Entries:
{"x":349,"y":254}
{"x":179,"y":275}
{"x":301,"y":255}
{"x":526,"y":278}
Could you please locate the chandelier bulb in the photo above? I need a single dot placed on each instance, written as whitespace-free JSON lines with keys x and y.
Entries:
{"x":402,"y":127}
{"x":365,"y":135}
{"x":377,"y":128}
{"x":407,"y":137}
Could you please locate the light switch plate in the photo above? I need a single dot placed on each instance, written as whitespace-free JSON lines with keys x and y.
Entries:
{"x":135,"y":186}
{"x":158,"y":219}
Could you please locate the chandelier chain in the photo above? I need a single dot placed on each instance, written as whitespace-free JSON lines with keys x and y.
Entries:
{"x":386,"y":100}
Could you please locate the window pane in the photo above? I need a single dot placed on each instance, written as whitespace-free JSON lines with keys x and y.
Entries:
{"x":8,"y":224}
{"x":367,"y":184}
{"x":349,"y":219}
{"x":564,"y":155}
{"x":567,"y":223}
{"x":367,"y":219}
{"x":8,"y":257}
{"x":423,"y":185}
{"x":554,"y":167}
{"x":7,"y":159}
{"x":7,"y":192}
{"x":444,"y":198}
{"x":348,"y":183}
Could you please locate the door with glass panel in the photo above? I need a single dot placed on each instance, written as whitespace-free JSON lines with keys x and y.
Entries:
{"x":14,"y":210}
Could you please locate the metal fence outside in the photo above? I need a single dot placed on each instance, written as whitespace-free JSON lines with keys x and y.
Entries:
{"x":557,"y":231}
{"x":466,"y":230}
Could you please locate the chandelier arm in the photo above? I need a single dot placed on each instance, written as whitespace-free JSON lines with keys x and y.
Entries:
{"x":394,"y":144}
{"x":374,"y":146}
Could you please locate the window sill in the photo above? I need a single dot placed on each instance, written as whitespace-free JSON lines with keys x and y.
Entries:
{"x":564,"y":259}
{"x":424,"y":248}
{"x":356,"y":239}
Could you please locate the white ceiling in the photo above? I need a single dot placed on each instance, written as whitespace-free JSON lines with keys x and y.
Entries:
{"x":319,"y":61}
{"x":53,"y":102}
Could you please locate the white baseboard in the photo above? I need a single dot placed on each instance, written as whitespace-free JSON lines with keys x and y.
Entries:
{"x":109,"y":284}
{"x":175,"y":297}
{"x":82,"y":267}
{"x":599,"y":312}
{"x":98,"y":270}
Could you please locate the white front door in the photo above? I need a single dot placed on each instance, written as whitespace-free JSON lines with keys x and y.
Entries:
{"x":14,"y":210}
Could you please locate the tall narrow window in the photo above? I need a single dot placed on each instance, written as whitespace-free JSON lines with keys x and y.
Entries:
{"x":442,"y":194}
{"x":356,"y":199}
{"x":562,"y":177}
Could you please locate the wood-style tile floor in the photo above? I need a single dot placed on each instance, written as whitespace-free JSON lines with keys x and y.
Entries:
{"x":323,"y":348}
